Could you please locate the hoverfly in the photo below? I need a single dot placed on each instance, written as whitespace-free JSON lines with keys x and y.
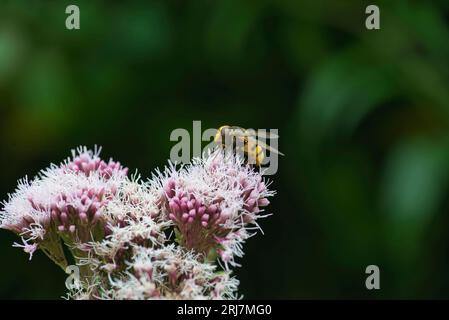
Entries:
{"x":245,"y":141}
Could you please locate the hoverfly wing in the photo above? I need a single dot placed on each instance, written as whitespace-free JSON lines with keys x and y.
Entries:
{"x":251,"y":135}
{"x":267,"y":135}
{"x":254,"y":133}
{"x":267,"y":147}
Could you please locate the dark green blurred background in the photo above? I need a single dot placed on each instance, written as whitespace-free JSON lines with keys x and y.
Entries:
{"x":363,"y":118}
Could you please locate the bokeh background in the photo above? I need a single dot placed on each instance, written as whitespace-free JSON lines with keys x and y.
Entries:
{"x":363,"y":118}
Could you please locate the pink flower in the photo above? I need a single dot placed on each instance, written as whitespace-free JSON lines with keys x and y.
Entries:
{"x":64,"y":201}
{"x":87,"y":161}
{"x":214,"y":199}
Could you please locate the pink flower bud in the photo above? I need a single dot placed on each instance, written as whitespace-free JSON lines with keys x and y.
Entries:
{"x":96,"y":218}
{"x":55,"y":216}
{"x":170,"y":188}
{"x":174,"y":207}
{"x":28,"y":219}
{"x":83,"y":217}
{"x":212,"y":209}
{"x":64,"y":218}
{"x":263,"y":202}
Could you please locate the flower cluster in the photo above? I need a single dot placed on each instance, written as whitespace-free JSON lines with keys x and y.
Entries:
{"x":87,"y":162}
{"x":63,"y":203}
{"x":119,"y":229}
{"x":213,"y":203}
{"x":167,"y":272}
